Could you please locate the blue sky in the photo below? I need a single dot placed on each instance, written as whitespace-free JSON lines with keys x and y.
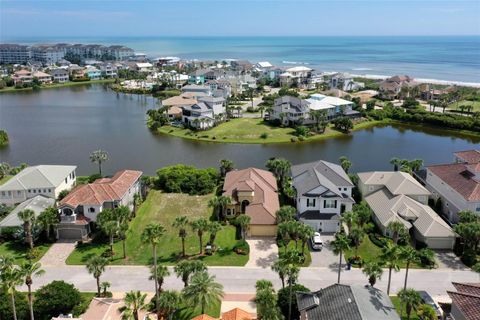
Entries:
{"x":114,"y":18}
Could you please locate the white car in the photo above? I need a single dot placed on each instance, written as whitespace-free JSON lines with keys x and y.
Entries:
{"x":316,"y":241}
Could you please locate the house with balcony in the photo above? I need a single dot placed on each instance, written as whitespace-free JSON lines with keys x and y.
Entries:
{"x":93,"y":73}
{"x":253,"y":192}
{"x":291,"y":110}
{"x":345,"y":82}
{"x":323,"y":192}
{"x":296,"y":76}
{"x":457,"y":184}
{"x":395,"y":196}
{"x":391,"y":87}
{"x":59,"y":75}
{"x":45,"y":180}
{"x":333,"y":106}
{"x":83,"y":204}
{"x":108,"y":70}
{"x":42,"y":77}
{"x":22,"y":77}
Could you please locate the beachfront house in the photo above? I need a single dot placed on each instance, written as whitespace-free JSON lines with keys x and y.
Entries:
{"x":45,"y":180}
{"x":85,"y":202}
{"x":345,"y":82}
{"x":397,"y":196}
{"x":457,"y":184}
{"x":296,"y":76}
{"x":390,"y":88}
{"x":323,"y":192}
{"x":253,"y":192}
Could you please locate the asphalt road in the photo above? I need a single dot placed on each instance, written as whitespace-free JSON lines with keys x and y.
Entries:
{"x":242,"y":279}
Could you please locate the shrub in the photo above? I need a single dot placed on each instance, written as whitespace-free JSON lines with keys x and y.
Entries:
{"x":301,"y":138}
{"x":356,"y":260}
{"x":21,"y":305}
{"x":284,"y":297}
{"x":241,"y":247}
{"x":294,"y":139}
{"x":57,"y":297}
{"x":83,"y":305}
{"x":264,"y":135}
{"x":301,"y":131}
{"x":377,"y":240}
{"x":3,"y":138}
{"x":33,"y":253}
{"x":187,"y":179}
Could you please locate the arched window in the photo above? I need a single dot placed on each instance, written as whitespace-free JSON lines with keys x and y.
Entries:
{"x":67,"y":211}
{"x":91,"y":209}
{"x":245,"y":203}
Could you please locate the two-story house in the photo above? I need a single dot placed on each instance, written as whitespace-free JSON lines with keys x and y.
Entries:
{"x":391,"y":87}
{"x":45,"y":180}
{"x":290,"y":110}
{"x":22,"y":77}
{"x":396,"y":196}
{"x":456,"y":184}
{"x":253,"y":192}
{"x":203,"y":114}
{"x":83,"y":204}
{"x":323,"y":193}
{"x":59,"y":75}
{"x":333,"y":106}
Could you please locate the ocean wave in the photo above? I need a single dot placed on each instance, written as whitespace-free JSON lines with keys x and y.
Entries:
{"x":362,"y":69}
{"x":294,"y":62}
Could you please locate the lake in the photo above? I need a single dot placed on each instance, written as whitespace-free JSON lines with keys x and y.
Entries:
{"x":63,"y":126}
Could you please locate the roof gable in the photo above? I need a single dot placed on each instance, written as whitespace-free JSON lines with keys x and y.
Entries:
{"x":41,"y":176}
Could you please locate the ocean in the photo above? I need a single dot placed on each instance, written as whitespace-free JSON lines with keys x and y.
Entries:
{"x":449,"y":58}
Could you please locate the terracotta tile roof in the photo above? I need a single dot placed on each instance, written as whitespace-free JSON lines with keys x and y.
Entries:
{"x":265,"y":204}
{"x":469,"y":288}
{"x":237,"y":314}
{"x":470,"y":156}
{"x":204,"y":317}
{"x":458,"y":178}
{"x":102,"y":190}
{"x":469,"y":305}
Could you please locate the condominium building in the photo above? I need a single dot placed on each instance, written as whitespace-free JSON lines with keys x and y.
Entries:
{"x":14,"y":53}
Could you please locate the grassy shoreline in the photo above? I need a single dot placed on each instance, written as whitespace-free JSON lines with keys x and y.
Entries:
{"x":244,"y":131}
{"x":57,"y":85}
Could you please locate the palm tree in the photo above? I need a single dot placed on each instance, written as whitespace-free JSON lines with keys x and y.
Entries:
{"x":397,"y":229}
{"x":28,"y":270}
{"x":409,"y":255}
{"x":243,"y":221}
{"x":134,"y":302}
{"x":27,"y":216}
{"x":285,"y":213}
{"x":340,"y":244}
{"x":226,"y":166}
{"x":111,"y":228}
{"x":200,"y":226}
{"x":96,"y":266}
{"x":105,"y":285}
{"x":345,"y":163}
{"x":203,"y":291}
{"x":396,"y":163}
{"x":410,"y":299}
{"x":305,"y":233}
{"x":181,"y":224}
{"x":219,"y":203}
{"x":152,"y":234}
{"x":168,"y":303}
{"x":122,"y":233}
{"x":349,"y":218}
{"x":160,"y":274}
{"x":280,"y":268}
{"x":10,"y":276}
{"x":214,"y":227}
{"x":48,"y":218}
{"x":280,"y":168}
{"x":373,"y":271}
{"x":291,"y":260}
{"x":426,"y":312}
{"x":99,"y":156}
{"x":185,"y":268}
{"x":390,"y":256}
{"x":356,"y":234}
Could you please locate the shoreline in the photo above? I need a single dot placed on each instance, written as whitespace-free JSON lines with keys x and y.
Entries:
{"x":56,"y":85}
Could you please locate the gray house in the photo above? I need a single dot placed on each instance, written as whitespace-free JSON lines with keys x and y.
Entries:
{"x":346,"y":302}
{"x":290,"y":110}
{"x":37,"y":204}
{"x":323,"y":193}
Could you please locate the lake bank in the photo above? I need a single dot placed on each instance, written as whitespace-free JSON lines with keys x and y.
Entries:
{"x":57,"y":85}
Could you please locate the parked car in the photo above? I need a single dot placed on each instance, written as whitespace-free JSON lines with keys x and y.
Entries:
{"x":316,"y":241}
{"x":427,"y":299}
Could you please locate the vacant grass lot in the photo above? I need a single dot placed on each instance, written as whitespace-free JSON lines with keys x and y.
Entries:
{"x":474,"y":104}
{"x":163,"y":208}
{"x":248,"y":130}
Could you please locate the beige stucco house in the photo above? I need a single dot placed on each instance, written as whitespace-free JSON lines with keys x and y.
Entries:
{"x":254,"y":193}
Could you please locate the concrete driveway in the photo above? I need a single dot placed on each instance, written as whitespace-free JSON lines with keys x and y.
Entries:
{"x":58,"y":253}
{"x":446,"y":259}
{"x":325,"y":258}
{"x":263,"y":252}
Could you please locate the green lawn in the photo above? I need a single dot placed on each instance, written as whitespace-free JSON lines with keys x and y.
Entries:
{"x":248,"y":130}
{"x":456,"y":105}
{"x":371,"y":252}
{"x":291,"y":245}
{"x":19,"y":250}
{"x":189,"y":313}
{"x":401,"y":311}
{"x":5,"y":179}
{"x":163,"y":208}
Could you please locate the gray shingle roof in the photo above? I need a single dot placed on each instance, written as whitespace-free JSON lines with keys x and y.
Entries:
{"x":344,"y":302}
{"x":36,"y":204}
{"x":309,"y":176}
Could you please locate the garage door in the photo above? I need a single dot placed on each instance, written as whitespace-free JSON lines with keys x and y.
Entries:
{"x":262,"y":231}
{"x":328,"y":226}
{"x":440,"y":243}
{"x":70,"y":234}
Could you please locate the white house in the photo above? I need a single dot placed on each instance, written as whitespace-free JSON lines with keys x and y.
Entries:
{"x":59,"y":75}
{"x":323,"y":193}
{"x":37,"y":204}
{"x":398,"y":197}
{"x":296,"y":75}
{"x":456,"y":184}
{"x":334,"y":106}
{"x":85,"y":202}
{"x":345,"y":82}
{"x":46,"y":180}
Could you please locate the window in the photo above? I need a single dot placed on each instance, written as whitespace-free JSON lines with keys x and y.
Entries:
{"x":91,"y":209}
{"x":9,"y":193}
{"x":3,"y":193}
{"x":34,"y":191}
{"x":19,"y":193}
{"x":329,"y":203}
{"x":311,"y":202}
{"x":66,"y":180}
{"x":477,"y":209}
{"x":344,"y":189}
{"x":49,"y":190}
